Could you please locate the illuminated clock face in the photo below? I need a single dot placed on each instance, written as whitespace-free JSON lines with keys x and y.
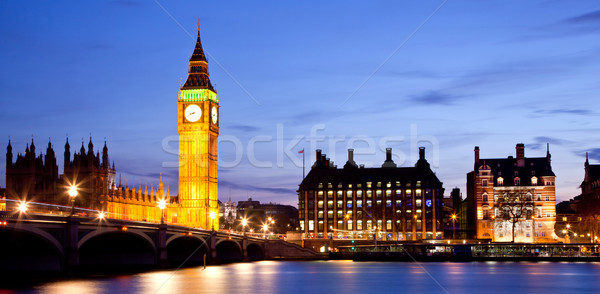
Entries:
{"x":214,"y":115}
{"x":193,"y":113}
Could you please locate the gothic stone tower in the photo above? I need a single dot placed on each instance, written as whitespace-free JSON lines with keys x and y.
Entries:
{"x":198,"y":128}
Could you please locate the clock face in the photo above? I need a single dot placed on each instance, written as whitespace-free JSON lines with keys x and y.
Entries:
{"x":193,"y":113}
{"x":214,"y":115}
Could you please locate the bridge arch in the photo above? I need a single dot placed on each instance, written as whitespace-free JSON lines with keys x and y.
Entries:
{"x":228,"y":251}
{"x":31,"y":249}
{"x":105,"y":250}
{"x":185,"y":250}
{"x":255,"y":251}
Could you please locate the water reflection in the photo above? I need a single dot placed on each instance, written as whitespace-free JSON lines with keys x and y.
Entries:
{"x":349,"y":277}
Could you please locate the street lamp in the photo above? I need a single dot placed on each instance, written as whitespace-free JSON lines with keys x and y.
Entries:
{"x":453,"y":226}
{"x":23,"y":207}
{"x":72,"y":195}
{"x":244,"y":223}
{"x":162,"y":204}
{"x":212,"y":218}
{"x":265,"y":229}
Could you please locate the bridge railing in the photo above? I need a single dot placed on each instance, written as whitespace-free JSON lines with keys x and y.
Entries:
{"x":11,"y":207}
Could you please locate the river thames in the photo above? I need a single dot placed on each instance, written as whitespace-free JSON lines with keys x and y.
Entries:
{"x":346,"y":277}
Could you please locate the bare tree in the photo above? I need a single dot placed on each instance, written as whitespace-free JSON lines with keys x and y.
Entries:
{"x":588,"y":207}
{"x":515,"y":206}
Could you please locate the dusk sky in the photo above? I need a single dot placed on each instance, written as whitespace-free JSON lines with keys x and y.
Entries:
{"x":303,"y":75}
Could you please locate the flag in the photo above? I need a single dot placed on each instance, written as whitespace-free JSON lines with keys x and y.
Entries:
{"x":301,"y":151}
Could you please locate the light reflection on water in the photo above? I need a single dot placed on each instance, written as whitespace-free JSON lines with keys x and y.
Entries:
{"x":349,"y":277}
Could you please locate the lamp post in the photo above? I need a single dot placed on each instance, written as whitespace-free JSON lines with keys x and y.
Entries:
{"x":265,"y":229}
{"x":453,"y":226}
{"x":72,"y":195}
{"x":212,"y":219}
{"x":244,"y":223}
{"x":162,"y":204}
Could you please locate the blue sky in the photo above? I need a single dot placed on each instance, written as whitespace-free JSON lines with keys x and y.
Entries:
{"x":294,"y":75}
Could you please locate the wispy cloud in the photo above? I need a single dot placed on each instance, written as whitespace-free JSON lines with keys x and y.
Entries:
{"x":126,"y":3}
{"x":593,"y":154}
{"x":254,"y":188}
{"x":435,"y":97}
{"x":244,"y":128}
{"x":585,"y":112}
{"x":586,"y":19}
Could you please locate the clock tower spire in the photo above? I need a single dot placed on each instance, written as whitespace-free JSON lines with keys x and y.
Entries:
{"x":198,"y":129}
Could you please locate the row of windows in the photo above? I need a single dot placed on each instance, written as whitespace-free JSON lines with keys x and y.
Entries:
{"x":369,"y":193}
{"x":368,"y":204}
{"x":369,"y":184}
{"x":517,"y":182}
{"x":484,"y":197}
{"x":368,"y":225}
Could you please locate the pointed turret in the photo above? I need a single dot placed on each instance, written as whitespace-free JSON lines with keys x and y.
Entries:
{"x":90,"y":148}
{"x":8,"y":155}
{"x":105,"y":162}
{"x":32,"y":148}
{"x":198,"y":72}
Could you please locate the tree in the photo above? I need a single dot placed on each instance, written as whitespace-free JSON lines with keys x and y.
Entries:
{"x":515,"y":206}
{"x":588,"y":208}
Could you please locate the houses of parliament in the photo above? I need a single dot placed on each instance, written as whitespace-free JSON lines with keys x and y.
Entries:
{"x":36,"y":178}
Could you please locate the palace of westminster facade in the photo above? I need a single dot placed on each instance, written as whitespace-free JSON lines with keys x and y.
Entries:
{"x":36,"y":178}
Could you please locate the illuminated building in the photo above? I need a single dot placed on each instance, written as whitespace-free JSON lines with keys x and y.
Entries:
{"x":519,"y":191}
{"x":198,"y":128}
{"x":395,"y":203}
{"x":37,"y":179}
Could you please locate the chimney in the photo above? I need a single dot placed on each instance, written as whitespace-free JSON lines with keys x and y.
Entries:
{"x":350,"y":163}
{"x":421,"y":153}
{"x":520,"y":154}
{"x":476,"y":154}
{"x":388,"y":158}
{"x":318,"y":154}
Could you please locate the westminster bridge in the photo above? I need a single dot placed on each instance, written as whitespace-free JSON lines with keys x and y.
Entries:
{"x":31,"y":242}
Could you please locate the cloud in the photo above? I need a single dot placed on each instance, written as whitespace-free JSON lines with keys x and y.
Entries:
{"x":253,"y":188}
{"x":564,"y":111}
{"x":244,"y":128}
{"x":435,"y":97}
{"x":540,"y":142}
{"x":593,"y":154}
{"x":587,"y":18}
{"x":126,"y":3}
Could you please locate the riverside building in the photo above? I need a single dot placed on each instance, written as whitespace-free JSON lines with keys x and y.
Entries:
{"x":390,"y":202}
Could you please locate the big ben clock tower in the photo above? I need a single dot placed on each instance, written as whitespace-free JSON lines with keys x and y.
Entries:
{"x":198,"y":128}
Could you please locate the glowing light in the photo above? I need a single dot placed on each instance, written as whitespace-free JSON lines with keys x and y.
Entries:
{"x":23,"y":207}
{"x":198,"y":95}
{"x":101,"y":215}
{"x":265,"y":227}
{"x":73,"y":191}
{"x":244,"y":222}
{"x":123,"y":228}
{"x":454,"y":216}
{"x":213,"y":214}
{"x":162,"y":204}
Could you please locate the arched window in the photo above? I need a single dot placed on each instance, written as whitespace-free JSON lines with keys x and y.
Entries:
{"x":534,"y":181}
{"x":500,"y":181}
{"x":517,"y":181}
{"x":485,"y":198}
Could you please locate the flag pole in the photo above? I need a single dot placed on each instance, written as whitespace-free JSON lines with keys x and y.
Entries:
{"x":302,"y":163}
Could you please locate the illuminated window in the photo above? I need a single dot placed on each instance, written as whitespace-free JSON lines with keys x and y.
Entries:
{"x":302,"y":225}
{"x":348,"y":194}
{"x":329,"y":194}
{"x":329,"y":185}
{"x":398,"y":203}
{"x":378,"y":193}
{"x":329,"y":214}
{"x":368,"y":184}
{"x":340,"y":204}
{"x":320,"y":226}
{"x":397,"y":183}
{"x":564,"y":218}
{"x":378,"y":184}
{"x":349,"y":204}
{"x":418,"y":183}
{"x":340,"y":225}
{"x":359,"y":203}
{"x":500,"y":181}
{"x":320,"y":204}
{"x":388,"y":225}
{"x":369,"y":224}
{"x":388,"y":193}
{"x":349,"y":185}
{"x":340,"y":213}
{"x":388,"y":203}
{"x":350,"y":225}
{"x":534,"y":181}
{"x":379,"y":224}
{"x":408,"y":193}
{"x":369,"y":203}
{"x":418,"y":192}
{"x":359,"y":225}
{"x":418,"y":202}
{"x":320,"y":214}
{"x":388,"y":185}
{"x":428,"y":203}
{"x":359,"y":194}
{"x":320,"y":185}
{"x":369,"y":194}
{"x":311,"y":225}
{"x":517,"y":181}
{"x":330,"y":204}
{"x":320,"y":193}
